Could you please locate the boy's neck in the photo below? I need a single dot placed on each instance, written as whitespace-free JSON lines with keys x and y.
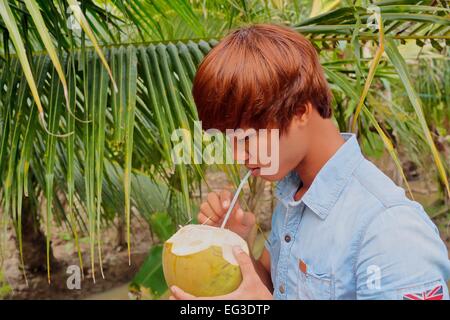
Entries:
{"x":326,"y":141}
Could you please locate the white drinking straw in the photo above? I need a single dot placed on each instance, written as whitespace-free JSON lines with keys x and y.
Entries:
{"x":236,"y":195}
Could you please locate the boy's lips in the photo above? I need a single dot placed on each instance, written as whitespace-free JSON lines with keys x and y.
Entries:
{"x":256,"y":171}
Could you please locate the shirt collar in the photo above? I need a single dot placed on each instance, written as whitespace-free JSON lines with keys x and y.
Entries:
{"x":329,"y":182}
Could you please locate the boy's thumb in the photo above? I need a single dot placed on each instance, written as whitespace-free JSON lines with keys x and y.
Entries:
{"x":244,"y":261}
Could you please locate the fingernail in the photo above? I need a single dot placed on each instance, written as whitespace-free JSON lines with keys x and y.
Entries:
{"x":173,"y":289}
{"x":225,"y":204}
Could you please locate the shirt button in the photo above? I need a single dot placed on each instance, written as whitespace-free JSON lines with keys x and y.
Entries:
{"x":281,"y":288}
{"x":287,"y":238}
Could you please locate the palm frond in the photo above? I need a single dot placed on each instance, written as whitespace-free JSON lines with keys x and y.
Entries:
{"x":132,"y":97}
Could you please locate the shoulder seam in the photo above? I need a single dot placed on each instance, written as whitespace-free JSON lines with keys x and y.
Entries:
{"x":376,"y":196}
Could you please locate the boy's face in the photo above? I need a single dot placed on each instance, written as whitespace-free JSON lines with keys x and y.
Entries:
{"x":271,"y":155}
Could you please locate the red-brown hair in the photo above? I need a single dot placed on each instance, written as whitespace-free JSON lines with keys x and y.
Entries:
{"x":259,"y":76}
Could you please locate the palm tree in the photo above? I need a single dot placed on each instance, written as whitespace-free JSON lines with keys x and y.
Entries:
{"x":91,"y":92}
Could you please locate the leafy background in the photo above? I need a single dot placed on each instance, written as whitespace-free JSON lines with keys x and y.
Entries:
{"x":91,"y":91}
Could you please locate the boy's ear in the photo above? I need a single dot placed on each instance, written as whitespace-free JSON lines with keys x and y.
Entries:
{"x":304,"y":114}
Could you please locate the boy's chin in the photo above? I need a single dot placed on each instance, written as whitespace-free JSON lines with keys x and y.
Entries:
{"x":269,"y":176}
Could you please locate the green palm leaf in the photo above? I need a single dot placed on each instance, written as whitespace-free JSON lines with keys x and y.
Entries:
{"x":132,"y":96}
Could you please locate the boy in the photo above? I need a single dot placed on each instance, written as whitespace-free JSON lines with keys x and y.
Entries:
{"x":341,"y":228}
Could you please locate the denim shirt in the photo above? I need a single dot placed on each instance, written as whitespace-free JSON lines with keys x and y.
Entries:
{"x":354,"y":235}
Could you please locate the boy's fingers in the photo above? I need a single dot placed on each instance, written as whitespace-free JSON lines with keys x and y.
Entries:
{"x":214,"y":202}
{"x":225,"y":199}
{"x":239,"y":215}
{"x":179,"y":294}
{"x":248,"y":219}
{"x":205,"y":220}
{"x":245,"y":218}
{"x":206,"y":209}
{"x":245,"y":262}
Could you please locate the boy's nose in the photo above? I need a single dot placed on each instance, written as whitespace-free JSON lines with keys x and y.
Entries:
{"x":241,"y":156}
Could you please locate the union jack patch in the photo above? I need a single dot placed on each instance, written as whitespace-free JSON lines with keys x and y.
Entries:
{"x":437,"y":293}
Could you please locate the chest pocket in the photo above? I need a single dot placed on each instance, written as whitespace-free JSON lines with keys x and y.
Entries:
{"x":313,"y":284}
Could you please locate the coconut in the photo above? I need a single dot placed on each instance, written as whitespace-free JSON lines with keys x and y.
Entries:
{"x":199,"y":260}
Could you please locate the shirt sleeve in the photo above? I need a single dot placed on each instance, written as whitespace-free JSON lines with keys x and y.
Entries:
{"x":402,"y":257}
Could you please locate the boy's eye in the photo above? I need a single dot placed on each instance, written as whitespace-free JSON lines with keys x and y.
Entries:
{"x":247,"y":142}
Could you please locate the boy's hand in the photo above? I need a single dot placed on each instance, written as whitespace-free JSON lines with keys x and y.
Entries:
{"x":251,"y":288}
{"x":213,"y":211}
